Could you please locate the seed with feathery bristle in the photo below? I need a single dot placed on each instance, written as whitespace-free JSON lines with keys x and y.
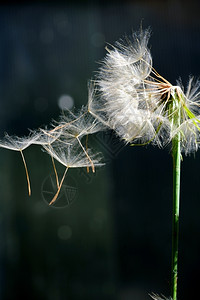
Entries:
{"x":16,"y":143}
{"x":71,"y":157}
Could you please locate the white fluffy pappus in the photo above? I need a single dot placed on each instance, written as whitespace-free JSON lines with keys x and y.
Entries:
{"x":139,"y":104}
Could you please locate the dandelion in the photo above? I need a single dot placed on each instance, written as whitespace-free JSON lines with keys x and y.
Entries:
{"x":130,"y":97}
{"x":139,"y":104}
{"x":142,"y":107}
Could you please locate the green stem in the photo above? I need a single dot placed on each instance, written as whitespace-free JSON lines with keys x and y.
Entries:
{"x":176,"y":153}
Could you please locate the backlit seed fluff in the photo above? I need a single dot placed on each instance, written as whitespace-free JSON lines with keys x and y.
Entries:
{"x":139,"y":104}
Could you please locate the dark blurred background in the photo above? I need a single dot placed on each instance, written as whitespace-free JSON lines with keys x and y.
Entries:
{"x":114,"y":239}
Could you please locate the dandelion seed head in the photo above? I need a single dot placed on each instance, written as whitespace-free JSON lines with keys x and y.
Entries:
{"x":141,"y":106}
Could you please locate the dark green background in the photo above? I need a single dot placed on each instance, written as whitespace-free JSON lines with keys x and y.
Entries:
{"x":114,"y":240}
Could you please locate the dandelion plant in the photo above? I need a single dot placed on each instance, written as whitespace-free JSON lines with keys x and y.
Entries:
{"x":143,"y":107}
{"x":130,"y":97}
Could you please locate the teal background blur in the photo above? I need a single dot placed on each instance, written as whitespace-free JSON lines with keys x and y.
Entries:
{"x":114,"y":240}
